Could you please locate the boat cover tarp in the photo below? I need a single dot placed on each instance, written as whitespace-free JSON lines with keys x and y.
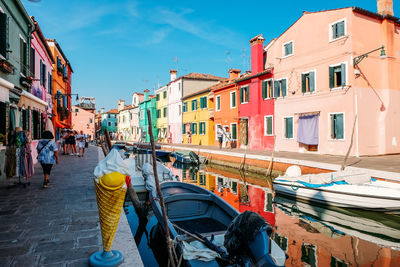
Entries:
{"x":164,"y":174}
{"x":350,"y":177}
{"x":196,"y":250}
{"x":242,"y":230}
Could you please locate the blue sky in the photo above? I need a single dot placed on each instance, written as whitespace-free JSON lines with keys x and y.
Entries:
{"x":117,"y":47}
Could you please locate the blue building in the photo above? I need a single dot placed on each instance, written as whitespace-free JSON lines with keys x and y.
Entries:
{"x":109,"y":121}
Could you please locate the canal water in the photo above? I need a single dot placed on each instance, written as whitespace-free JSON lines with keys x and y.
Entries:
{"x":311,"y":235}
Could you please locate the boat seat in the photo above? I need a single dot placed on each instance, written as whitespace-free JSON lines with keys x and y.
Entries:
{"x":188,"y":196}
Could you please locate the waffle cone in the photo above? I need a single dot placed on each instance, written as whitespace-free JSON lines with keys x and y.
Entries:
{"x":110,"y":205}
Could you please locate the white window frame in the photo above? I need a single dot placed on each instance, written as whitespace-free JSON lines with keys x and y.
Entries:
{"x":315,"y":82}
{"x":331,"y":33}
{"x":248,"y":88}
{"x":216,"y":103}
{"x":237,"y":132}
{"x":284,"y":127}
{"x":347,"y":75}
{"x":230,"y":99}
{"x":270,"y":80}
{"x":330,"y":128}
{"x":283,"y":49}
{"x":265,"y":125}
{"x":204,"y":128}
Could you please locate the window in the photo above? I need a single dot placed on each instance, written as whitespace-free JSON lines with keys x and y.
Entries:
{"x":337,"y":30}
{"x":42,"y":74}
{"x":193,"y":128}
{"x":76,"y":110}
{"x":203,"y":102}
{"x":281,"y":241}
{"x":123,"y":118}
{"x":109,"y":116}
{"x":115,"y":124}
{"x":59,"y":67}
{"x":184,"y":128}
{"x":142,"y":114}
{"x":308,"y":82}
{"x":338,"y":263}
{"x":268,"y":125}
{"x":130,"y":117}
{"x":288,"y":49}
{"x":180,"y":110}
{"x":244,"y":94}
{"x":268,"y":207}
{"x":164,"y":94}
{"x":109,"y":123}
{"x":194,"y":104}
{"x":234,"y":131}
{"x":280,"y":88}
{"x":218,"y":103}
{"x":50,"y":81}
{"x":184,"y":107}
{"x":3,"y":35}
{"x":308,"y":255}
{"x":233,"y":99}
{"x":288,"y":130}
{"x":90,"y":120}
{"x":157,"y":97}
{"x":23,"y":56}
{"x":165,"y":112}
{"x":158,"y":113}
{"x":202,"y":128}
{"x":337,"y":126}
{"x":337,"y":76}
{"x":267,"y":89}
{"x":32,"y":62}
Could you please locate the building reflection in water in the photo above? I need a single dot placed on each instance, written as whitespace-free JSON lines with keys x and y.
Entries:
{"x":307,"y":240}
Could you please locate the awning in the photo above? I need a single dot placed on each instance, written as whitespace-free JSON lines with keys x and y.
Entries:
{"x":5,"y":86}
{"x":61,"y":125}
{"x":29,"y":100}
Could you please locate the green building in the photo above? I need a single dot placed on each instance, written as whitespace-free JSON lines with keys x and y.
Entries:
{"x":149,"y":102}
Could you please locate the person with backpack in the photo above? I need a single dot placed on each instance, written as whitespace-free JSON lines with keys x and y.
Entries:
{"x":47,"y":155}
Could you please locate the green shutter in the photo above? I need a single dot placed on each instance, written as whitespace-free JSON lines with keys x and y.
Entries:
{"x":234,"y":131}
{"x":264,"y":89}
{"x":339,"y":126}
{"x":248,"y":93}
{"x":183,"y":128}
{"x":303,"y":83}
{"x":312,"y":81}
{"x":331,"y":77}
{"x":340,"y":29}
{"x":277,"y":85}
{"x":41,"y":72}
{"x":233,"y":99}
{"x":205,"y":102}
{"x":241,"y":95}
{"x":3,"y":34}
{"x":343,"y":74}
{"x":284,"y":89}
{"x":269,"y":125}
{"x":289,"y":127}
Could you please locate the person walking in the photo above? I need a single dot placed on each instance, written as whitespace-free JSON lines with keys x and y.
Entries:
{"x":220,"y":136}
{"x":228,"y":138}
{"x":189,"y":137}
{"x":81,"y":139}
{"x":47,"y":155}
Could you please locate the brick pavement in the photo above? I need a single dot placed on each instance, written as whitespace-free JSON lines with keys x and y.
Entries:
{"x":58,"y":226}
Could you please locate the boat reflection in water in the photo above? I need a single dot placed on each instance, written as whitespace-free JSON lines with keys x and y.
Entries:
{"x":311,"y":235}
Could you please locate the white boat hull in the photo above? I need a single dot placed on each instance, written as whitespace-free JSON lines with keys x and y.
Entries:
{"x":376,"y":195}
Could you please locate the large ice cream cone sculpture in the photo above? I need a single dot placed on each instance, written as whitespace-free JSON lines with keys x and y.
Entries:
{"x":110,"y":193}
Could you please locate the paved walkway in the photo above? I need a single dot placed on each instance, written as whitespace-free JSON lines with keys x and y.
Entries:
{"x":387,"y":163}
{"x":58,"y":226}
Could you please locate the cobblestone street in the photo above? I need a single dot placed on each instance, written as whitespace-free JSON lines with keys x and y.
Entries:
{"x":58,"y":226}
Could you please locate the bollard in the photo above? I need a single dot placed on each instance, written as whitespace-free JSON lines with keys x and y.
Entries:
{"x":110,"y":194}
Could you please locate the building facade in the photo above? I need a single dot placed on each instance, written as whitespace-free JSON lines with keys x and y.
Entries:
{"x":109,"y":121}
{"x":83,"y":120}
{"x":335,"y":102}
{"x":179,"y":88}
{"x":162,"y":113}
{"x":149,"y":103}
{"x":196,"y":120}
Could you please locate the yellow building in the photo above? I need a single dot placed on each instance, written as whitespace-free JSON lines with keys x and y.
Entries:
{"x":198,"y":118}
{"x":162,"y":116}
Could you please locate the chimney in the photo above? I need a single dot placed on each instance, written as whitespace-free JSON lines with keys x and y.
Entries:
{"x":173,"y":74}
{"x":121,"y":105}
{"x":385,"y":7}
{"x":233,"y":74}
{"x":257,"y":50}
{"x":146,"y":94}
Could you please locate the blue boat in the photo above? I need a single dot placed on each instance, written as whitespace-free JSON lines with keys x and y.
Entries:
{"x":160,"y":153}
{"x":182,"y":156}
{"x":193,"y":212}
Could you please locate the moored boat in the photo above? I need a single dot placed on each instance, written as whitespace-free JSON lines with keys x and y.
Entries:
{"x":182,"y":156}
{"x":349,"y":189}
{"x":194,"y":211}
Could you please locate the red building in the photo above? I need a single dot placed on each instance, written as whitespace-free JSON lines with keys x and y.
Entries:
{"x":256,"y":103}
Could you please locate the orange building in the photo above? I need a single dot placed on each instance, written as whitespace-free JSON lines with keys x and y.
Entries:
{"x":61,"y":88}
{"x":226,"y":106}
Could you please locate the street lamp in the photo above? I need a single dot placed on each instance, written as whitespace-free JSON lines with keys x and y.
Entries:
{"x":358,"y":59}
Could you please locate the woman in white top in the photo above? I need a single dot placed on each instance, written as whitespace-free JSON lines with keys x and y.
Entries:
{"x":81,"y":139}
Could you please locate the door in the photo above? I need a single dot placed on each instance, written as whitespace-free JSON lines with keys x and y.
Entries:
{"x":244,"y":133}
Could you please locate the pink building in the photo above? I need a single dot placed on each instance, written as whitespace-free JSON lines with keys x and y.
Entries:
{"x":333,"y":100}
{"x":83,"y":120}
